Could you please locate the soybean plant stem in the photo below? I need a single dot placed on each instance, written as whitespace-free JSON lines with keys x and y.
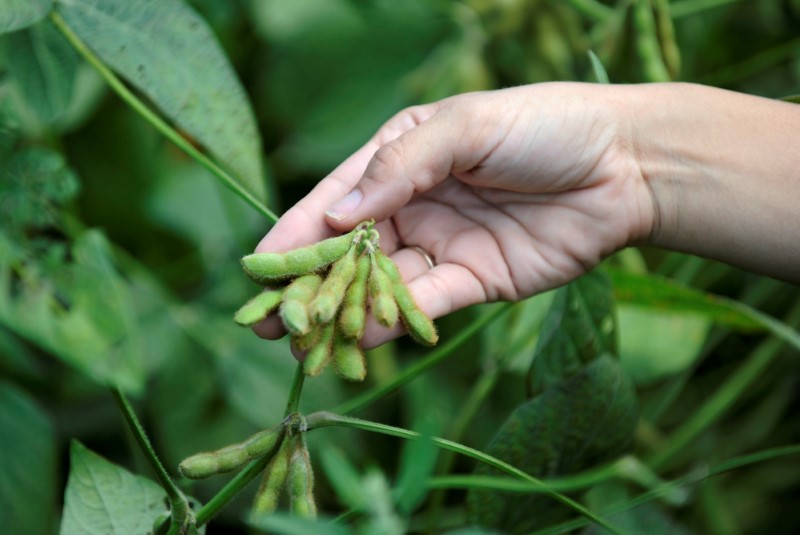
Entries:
{"x":297,"y":388}
{"x":433,"y":358}
{"x":327,"y":419}
{"x":179,"y":505}
{"x":151,"y":117}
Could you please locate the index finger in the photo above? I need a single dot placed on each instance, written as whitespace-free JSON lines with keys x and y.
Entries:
{"x":304,"y":223}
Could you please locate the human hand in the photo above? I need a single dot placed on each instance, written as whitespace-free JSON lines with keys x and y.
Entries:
{"x":513,"y":192}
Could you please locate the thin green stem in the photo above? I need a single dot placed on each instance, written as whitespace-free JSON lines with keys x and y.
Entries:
{"x":753,"y":65}
{"x":326,"y":419}
{"x":179,"y":505}
{"x":151,"y":117}
{"x":730,"y":391}
{"x":297,"y":388}
{"x":416,"y":369}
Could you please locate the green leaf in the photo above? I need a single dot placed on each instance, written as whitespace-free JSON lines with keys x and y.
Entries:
{"x":27,"y":464}
{"x":43,"y":70}
{"x":583,"y":421}
{"x":579,"y":327}
{"x":80,"y":312}
{"x":33,"y":187}
{"x":169,"y":53}
{"x":661,"y":293}
{"x":511,"y":341}
{"x":647,"y":347}
{"x":18,"y":14}
{"x":104,"y":499}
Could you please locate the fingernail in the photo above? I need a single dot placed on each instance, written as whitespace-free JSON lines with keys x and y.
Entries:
{"x":345,"y":206}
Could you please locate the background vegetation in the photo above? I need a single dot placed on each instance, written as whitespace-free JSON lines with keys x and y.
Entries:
{"x":118,"y":265}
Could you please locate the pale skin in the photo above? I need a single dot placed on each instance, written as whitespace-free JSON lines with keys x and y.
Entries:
{"x":521,"y":190}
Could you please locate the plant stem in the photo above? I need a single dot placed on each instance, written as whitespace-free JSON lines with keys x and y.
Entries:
{"x":179,"y":505}
{"x":592,"y":9}
{"x":151,"y":117}
{"x":433,"y":358}
{"x":327,"y":419}
{"x":297,"y":388}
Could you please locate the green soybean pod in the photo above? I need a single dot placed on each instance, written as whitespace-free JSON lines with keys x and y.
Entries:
{"x":266,"y":499}
{"x":263,"y":442}
{"x":301,"y":482}
{"x":353,"y":316}
{"x":308,"y":340}
{"x":348,"y":359}
{"x":331,"y":293}
{"x":319,"y":355}
{"x":296,"y":297}
{"x":420,"y":327}
{"x":268,"y":268}
{"x":207,"y":464}
{"x":381,"y":294}
{"x":258,"y":308}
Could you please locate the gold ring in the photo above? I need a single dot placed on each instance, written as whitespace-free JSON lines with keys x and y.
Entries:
{"x":428,"y":258}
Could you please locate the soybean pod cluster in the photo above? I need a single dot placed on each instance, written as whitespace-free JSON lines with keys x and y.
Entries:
{"x":323,"y":292}
{"x":288,"y":470}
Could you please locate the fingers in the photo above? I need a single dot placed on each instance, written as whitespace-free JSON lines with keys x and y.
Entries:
{"x":414,"y":162}
{"x":305,"y":223}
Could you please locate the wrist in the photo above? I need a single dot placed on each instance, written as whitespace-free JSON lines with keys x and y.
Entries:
{"x":721,"y":171}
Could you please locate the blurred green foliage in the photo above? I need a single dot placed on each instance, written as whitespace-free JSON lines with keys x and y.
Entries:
{"x":118,"y":256}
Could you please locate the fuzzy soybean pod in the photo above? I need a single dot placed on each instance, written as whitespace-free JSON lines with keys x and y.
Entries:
{"x":381,"y":294}
{"x":353,"y":316}
{"x":348,"y":359}
{"x":296,"y":297}
{"x":331,"y":293}
{"x":258,"y":308}
{"x":231,"y":457}
{"x":420,"y":327}
{"x":266,"y":500}
{"x":300,"y":482}
{"x":319,"y":355}
{"x":269,"y":268}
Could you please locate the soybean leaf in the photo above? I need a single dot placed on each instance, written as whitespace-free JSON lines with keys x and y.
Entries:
{"x":79,"y":312}
{"x":104,"y":499}
{"x":647,"y":347}
{"x":578,"y":327}
{"x":575,"y":424}
{"x":169,"y":53}
{"x":43,"y":69}
{"x":510,"y":341}
{"x":18,"y":14}
{"x":661,"y":293}
{"x":34,"y":185}
{"x":27,"y":465}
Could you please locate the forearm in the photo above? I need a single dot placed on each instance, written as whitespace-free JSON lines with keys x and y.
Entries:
{"x":724,"y":172}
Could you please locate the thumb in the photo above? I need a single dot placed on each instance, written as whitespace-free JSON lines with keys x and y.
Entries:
{"x":412,"y":163}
